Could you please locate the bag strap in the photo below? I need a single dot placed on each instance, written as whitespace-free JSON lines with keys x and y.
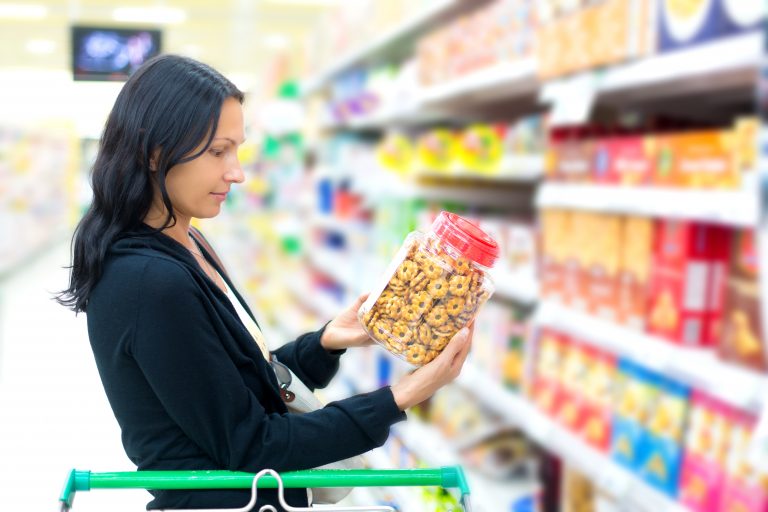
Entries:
{"x":202,"y":242}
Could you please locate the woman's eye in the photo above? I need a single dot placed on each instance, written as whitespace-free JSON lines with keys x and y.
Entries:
{"x":216,"y":152}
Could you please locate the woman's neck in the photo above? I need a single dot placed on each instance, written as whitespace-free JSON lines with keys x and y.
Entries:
{"x":179,"y":231}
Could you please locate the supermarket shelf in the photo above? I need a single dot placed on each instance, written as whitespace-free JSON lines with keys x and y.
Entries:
{"x":487,"y":495}
{"x":321,"y":303}
{"x":514,"y":170}
{"x":401,"y":36}
{"x":506,"y":80}
{"x":725,"y":64}
{"x":518,"y":288}
{"x":412,"y":115}
{"x":698,"y":368}
{"x":328,"y":262}
{"x":631,"y":492}
{"x":735,"y":208}
{"x":346,"y":227}
{"x":479,"y":193}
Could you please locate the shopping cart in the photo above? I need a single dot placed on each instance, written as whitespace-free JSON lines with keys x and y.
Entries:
{"x":446,"y":477}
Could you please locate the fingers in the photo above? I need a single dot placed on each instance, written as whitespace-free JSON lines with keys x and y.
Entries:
{"x":454,"y":346}
{"x":461,"y":356}
{"x":471,"y":328}
{"x":359,"y":302}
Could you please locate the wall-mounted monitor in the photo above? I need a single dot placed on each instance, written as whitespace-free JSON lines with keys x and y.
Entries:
{"x":111,"y":54}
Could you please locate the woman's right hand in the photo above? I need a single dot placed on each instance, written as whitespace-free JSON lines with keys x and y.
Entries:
{"x":416,"y":387}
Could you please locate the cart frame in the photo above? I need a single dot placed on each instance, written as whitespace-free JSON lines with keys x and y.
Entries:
{"x":446,"y":477}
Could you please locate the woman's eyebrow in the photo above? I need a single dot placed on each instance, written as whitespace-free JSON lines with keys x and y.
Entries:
{"x":230,"y":140}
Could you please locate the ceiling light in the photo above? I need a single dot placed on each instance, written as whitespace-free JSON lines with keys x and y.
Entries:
{"x":23,"y":11}
{"x":276,"y":41}
{"x":41,"y":46}
{"x":160,"y":15}
{"x":319,"y":3}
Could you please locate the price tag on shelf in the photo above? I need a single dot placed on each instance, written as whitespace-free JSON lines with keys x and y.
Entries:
{"x":572,"y":99}
{"x":614,"y":481}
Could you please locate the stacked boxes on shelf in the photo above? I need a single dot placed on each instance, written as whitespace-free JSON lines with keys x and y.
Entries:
{"x":684,"y":443}
{"x":503,"y":31}
{"x":692,"y":283}
{"x":716,"y":474}
{"x":695,"y":158}
{"x":578,"y":40}
{"x":672,"y":279}
{"x":480,"y":149}
{"x":687,"y":282}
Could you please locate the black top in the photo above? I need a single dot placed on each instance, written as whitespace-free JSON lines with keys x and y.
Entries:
{"x":191,"y":389}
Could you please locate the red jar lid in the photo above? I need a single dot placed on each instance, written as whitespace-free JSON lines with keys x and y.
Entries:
{"x":466,"y":238}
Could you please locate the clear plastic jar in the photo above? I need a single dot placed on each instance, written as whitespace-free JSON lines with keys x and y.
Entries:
{"x":433,"y":288}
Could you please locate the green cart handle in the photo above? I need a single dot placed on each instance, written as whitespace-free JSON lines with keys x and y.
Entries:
{"x":446,"y":477}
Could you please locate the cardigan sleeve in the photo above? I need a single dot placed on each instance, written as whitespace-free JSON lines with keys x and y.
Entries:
{"x":183,"y":360}
{"x":311,"y":363}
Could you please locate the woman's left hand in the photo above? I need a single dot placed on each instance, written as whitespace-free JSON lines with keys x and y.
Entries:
{"x":345,"y":330}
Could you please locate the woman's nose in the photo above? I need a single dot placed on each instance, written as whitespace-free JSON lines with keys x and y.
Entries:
{"x":235,"y":172}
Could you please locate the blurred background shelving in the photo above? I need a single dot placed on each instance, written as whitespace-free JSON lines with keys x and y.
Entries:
{"x":612,"y":147}
{"x":584,"y":163}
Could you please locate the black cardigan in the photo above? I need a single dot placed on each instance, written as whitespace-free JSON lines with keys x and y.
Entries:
{"x":191,"y":390}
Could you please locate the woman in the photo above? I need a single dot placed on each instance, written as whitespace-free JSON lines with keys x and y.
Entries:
{"x":181,"y":357}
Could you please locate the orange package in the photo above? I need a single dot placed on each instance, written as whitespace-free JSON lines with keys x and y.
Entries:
{"x":704,"y":159}
{"x":634,"y":269}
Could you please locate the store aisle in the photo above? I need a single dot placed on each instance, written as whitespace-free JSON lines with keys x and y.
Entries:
{"x":54,"y":415}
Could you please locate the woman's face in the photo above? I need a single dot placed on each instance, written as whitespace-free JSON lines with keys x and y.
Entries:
{"x":199,"y":187}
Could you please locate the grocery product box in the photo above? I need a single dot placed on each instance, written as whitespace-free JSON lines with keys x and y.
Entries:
{"x":555,"y":233}
{"x":526,"y":136}
{"x":662,"y":453}
{"x":740,"y":16}
{"x":479,"y":148}
{"x":684,"y":24}
{"x":521,"y":249}
{"x":546,"y":388}
{"x":395,"y":153}
{"x":746,"y":147}
{"x":633,"y":400}
{"x":602,"y":266}
{"x":578,"y":40}
{"x":699,"y":159}
{"x":636,"y":249}
{"x":741,"y":337}
{"x":687,"y":281}
{"x":517,"y":328}
{"x":579,"y":253}
{"x":706,"y":447}
{"x":578,"y":492}
{"x":436,"y":151}
{"x":625,"y":160}
{"x":598,"y":396}
{"x":570,"y":155}
{"x":745,"y":488}
{"x":573,"y":407}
